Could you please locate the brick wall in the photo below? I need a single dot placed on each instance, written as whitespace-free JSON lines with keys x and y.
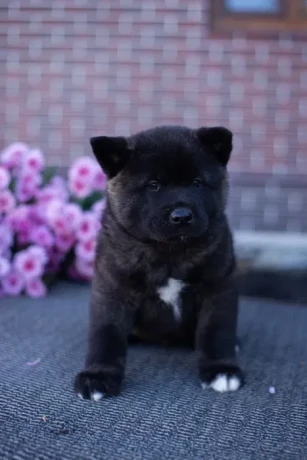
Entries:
{"x":76,"y":68}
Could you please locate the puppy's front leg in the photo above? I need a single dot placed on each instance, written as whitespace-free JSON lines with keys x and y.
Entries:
{"x":216,"y":342}
{"x":110,"y":323}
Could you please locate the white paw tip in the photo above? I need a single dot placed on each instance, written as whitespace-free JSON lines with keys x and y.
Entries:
{"x":204,"y":385}
{"x":96,"y":396}
{"x":234,"y":383}
{"x":272,"y":390}
{"x":80,"y":395}
{"x":222,"y":383}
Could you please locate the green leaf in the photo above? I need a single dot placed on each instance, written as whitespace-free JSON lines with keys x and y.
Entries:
{"x":48,"y":173}
{"x":12,"y":184}
{"x":87,"y":202}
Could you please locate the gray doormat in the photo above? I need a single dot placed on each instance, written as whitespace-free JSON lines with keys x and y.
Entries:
{"x":162,"y":412}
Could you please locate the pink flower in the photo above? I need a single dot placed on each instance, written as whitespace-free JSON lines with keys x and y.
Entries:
{"x":61,"y":186}
{"x":39,"y":252}
{"x":79,"y":188}
{"x":85,"y":269}
{"x":4,"y":178}
{"x":30,"y":178}
{"x":30,"y":263}
{"x":7,"y":201}
{"x":47,"y":194}
{"x":85,"y":250}
{"x":53,"y":209}
{"x":19,"y":217}
{"x":13,"y":283}
{"x":64,"y":242}
{"x":57,"y":219}
{"x":100,"y":180}
{"x":33,"y":160}
{"x":4,"y":267}
{"x":6,"y":239}
{"x":23,"y":193}
{"x":61,"y":225}
{"x":42,"y":236}
{"x":73,"y":214}
{"x":82,"y":176}
{"x":7,"y":254}
{"x":98,"y":208}
{"x":55,"y":190}
{"x":27,"y":186}
{"x":35,"y":288}
{"x":23,"y":238}
{"x":83,"y":168}
{"x":36,"y":214}
{"x":58,"y":181}
{"x":12,"y":156}
{"x":23,"y":231}
{"x":88,"y":227}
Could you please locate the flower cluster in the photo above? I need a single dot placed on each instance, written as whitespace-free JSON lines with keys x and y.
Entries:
{"x":48,"y":225}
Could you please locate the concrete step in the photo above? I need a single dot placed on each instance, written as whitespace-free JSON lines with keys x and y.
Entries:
{"x":272,"y":265}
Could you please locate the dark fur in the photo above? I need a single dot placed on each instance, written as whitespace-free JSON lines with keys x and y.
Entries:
{"x":139,"y":250}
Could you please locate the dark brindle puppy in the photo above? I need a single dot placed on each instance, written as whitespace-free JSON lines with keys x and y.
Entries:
{"x":165,"y":262}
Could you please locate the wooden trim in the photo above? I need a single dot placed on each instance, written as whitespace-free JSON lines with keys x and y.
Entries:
{"x":289,"y":18}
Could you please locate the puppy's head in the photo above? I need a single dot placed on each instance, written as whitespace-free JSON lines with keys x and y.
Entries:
{"x":167,"y":183}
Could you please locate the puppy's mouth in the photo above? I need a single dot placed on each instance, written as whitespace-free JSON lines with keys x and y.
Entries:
{"x":185,"y":237}
{"x":185,"y":234}
{"x":181,"y":237}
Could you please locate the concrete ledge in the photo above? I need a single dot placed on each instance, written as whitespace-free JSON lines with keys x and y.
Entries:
{"x":272,"y":265}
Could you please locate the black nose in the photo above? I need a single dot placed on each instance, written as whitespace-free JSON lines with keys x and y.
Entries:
{"x":181,"y":216}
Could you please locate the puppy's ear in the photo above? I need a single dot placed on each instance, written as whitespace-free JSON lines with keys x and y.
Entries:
{"x":112,"y":153}
{"x":218,"y":140}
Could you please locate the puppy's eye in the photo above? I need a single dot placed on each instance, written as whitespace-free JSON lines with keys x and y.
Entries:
{"x":153,"y":186}
{"x":197,"y":182}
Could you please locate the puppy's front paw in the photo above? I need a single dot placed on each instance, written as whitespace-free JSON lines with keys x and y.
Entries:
{"x":222,"y":377}
{"x":97,"y":384}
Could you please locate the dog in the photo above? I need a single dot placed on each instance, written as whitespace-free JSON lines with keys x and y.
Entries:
{"x":165,"y":264}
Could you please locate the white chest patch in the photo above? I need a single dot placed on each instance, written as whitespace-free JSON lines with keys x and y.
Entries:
{"x":170,"y":294}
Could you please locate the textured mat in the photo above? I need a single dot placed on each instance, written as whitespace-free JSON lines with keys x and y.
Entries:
{"x":162,"y":412}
